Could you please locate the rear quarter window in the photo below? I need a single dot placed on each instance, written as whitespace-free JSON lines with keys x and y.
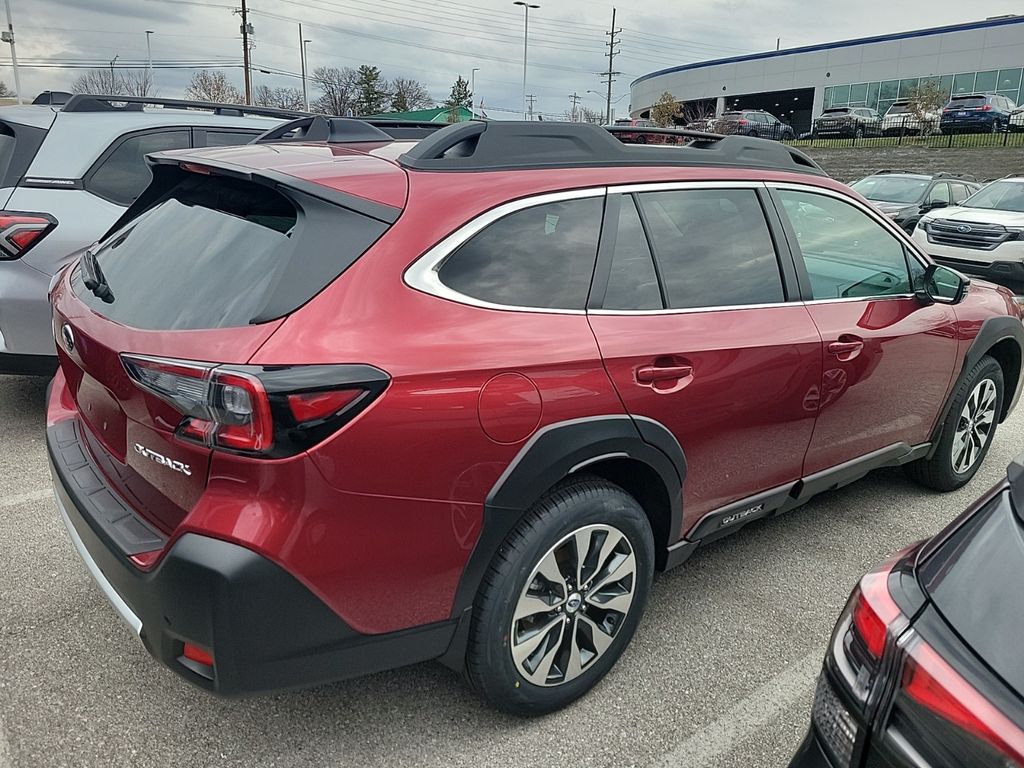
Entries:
{"x":121,"y":173}
{"x":540,"y":257}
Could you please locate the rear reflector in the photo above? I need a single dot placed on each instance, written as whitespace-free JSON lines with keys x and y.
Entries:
{"x":145,"y":560}
{"x":21,"y":231}
{"x":198,"y":655}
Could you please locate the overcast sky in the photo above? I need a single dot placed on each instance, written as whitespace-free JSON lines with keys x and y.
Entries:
{"x":437,"y":40}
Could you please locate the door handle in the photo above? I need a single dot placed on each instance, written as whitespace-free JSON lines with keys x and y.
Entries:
{"x":847,"y":348}
{"x":649,"y":374}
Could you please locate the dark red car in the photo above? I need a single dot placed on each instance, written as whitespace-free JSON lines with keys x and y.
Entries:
{"x":331,"y":407}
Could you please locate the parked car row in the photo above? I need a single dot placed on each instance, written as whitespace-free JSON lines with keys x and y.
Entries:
{"x":970,"y":113}
{"x":321,"y":412}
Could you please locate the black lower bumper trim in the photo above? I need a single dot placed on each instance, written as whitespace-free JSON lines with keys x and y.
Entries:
{"x":27,"y":365}
{"x":811,"y":754}
{"x":267,"y":631}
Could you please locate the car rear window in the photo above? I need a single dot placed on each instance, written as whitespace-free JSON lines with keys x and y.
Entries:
{"x":218,"y":252}
{"x":898,"y":109}
{"x":968,"y":101}
{"x":838,"y":111}
{"x":731,"y":116}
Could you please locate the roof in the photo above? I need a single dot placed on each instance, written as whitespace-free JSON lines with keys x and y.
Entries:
{"x":988,"y":23}
{"x":436,"y":115}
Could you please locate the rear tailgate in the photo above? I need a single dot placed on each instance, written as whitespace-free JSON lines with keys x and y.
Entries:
{"x":201,"y":276}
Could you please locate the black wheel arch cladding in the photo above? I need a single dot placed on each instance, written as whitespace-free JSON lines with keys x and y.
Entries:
{"x":559,"y":450}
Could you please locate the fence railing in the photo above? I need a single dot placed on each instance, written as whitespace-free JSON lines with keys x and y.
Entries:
{"x":908,"y":138}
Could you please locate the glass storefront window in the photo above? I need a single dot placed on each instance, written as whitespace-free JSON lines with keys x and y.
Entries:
{"x":859,"y":94}
{"x":889,"y":90}
{"x":1011,"y":95}
{"x":986,"y":82}
{"x":840,"y":95}
{"x":907,"y":87}
{"x":946,"y":83}
{"x":873,"y":95}
{"x":1009,"y":79}
{"x":963,"y":83}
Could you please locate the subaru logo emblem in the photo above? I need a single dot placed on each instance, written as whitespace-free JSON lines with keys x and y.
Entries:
{"x":68,"y":337}
{"x":963,"y":229}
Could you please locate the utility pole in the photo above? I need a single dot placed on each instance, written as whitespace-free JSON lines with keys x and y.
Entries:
{"x":609,"y":76}
{"x":302,"y":56}
{"x":530,"y":98}
{"x":8,"y":37}
{"x":574,"y":99}
{"x":113,"y":81}
{"x":246,"y":31}
{"x":149,"y":57}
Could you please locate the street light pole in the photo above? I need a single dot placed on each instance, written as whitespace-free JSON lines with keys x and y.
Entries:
{"x":8,"y":37}
{"x":526,"y":35}
{"x":472,"y":92}
{"x":113,"y":82}
{"x":302,"y":57}
{"x":149,"y":57}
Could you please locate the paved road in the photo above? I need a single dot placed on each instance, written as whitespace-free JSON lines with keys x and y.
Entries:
{"x":720,"y":673}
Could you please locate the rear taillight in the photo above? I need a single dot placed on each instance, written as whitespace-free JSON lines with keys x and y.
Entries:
{"x":946,"y":720}
{"x":987,"y":108}
{"x":267,"y":411}
{"x":21,"y":231}
{"x":741,"y":122}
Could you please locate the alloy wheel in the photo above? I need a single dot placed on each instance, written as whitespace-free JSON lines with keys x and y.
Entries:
{"x":974,"y":427}
{"x":573,"y":605}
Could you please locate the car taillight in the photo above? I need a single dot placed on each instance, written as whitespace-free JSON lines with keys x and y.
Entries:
{"x":987,"y":108}
{"x":21,"y":231}
{"x":268,"y":411}
{"x":741,"y":122}
{"x":947,"y":720}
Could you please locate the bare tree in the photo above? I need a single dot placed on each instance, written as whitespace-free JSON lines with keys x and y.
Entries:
{"x":588,"y":115}
{"x":665,"y":110}
{"x":281,"y":98}
{"x":136,"y":82}
{"x":408,"y":95}
{"x":698,"y":113}
{"x":338,"y":87}
{"x":99,"y":81}
{"x":5,"y":92}
{"x":926,"y":102}
{"x":210,"y":85}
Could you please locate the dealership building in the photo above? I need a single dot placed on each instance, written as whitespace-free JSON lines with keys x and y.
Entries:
{"x":797,"y":84}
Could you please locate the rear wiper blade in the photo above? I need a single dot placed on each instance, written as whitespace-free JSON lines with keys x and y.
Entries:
{"x":94,"y":279}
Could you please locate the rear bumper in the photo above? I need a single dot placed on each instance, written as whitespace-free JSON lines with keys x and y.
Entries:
{"x":266,"y":630}
{"x":811,"y":754}
{"x":969,"y":124}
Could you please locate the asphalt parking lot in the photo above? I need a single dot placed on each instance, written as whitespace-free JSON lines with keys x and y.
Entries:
{"x":720,"y":673}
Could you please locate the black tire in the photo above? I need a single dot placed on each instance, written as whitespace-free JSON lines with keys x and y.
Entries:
{"x":568,"y":507}
{"x":938,"y":472}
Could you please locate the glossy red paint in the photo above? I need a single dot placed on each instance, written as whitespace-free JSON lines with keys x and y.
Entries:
{"x":889,"y":389}
{"x":744,"y":415}
{"x":380,"y":519}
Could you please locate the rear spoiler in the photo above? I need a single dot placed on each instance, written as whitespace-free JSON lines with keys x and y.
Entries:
{"x":168,"y":170}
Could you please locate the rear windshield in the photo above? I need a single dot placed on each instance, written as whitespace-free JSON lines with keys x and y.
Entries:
{"x":837,"y":111}
{"x":218,"y":252}
{"x":892,"y":189}
{"x":898,"y":109}
{"x":968,"y":101}
{"x":731,"y":116}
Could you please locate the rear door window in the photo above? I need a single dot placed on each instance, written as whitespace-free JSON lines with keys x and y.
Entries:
{"x":122,"y":173}
{"x":713,"y":247}
{"x":219,"y":252}
{"x":540,"y":257}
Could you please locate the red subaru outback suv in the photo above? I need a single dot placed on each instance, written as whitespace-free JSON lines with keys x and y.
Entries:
{"x":329,"y":407}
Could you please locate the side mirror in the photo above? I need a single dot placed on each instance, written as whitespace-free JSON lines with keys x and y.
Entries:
{"x":941,"y":285}
{"x":933,"y":204}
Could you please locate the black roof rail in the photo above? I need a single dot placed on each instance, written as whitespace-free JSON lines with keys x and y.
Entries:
{"x":500,"y":144}
{"x":90,"y":102}
{"x":880,"y":171}
{"x":964,"y":176}
{"x":346,"y":130}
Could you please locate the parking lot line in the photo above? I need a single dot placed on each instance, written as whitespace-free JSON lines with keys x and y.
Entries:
{"x":21,"y":498}
{"x":747,"y":718}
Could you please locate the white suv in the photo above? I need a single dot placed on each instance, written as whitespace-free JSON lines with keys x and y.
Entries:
{"x":982,"y":236}
{"x":67,"y":173}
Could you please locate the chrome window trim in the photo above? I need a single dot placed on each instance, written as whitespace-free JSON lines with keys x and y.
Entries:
{"x":692,"y":310}
{"x":422,"y":274}
{"x":671,"y":186}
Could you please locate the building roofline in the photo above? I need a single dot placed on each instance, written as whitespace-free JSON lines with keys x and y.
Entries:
{"x":988,"y":23}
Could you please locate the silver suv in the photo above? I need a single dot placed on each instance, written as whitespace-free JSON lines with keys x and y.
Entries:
{"x":67,"y":173}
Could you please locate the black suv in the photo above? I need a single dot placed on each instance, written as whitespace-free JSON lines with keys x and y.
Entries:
{"x":847,"y":122}
{"x":754,"y":122}
{"x":905,"y":196}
